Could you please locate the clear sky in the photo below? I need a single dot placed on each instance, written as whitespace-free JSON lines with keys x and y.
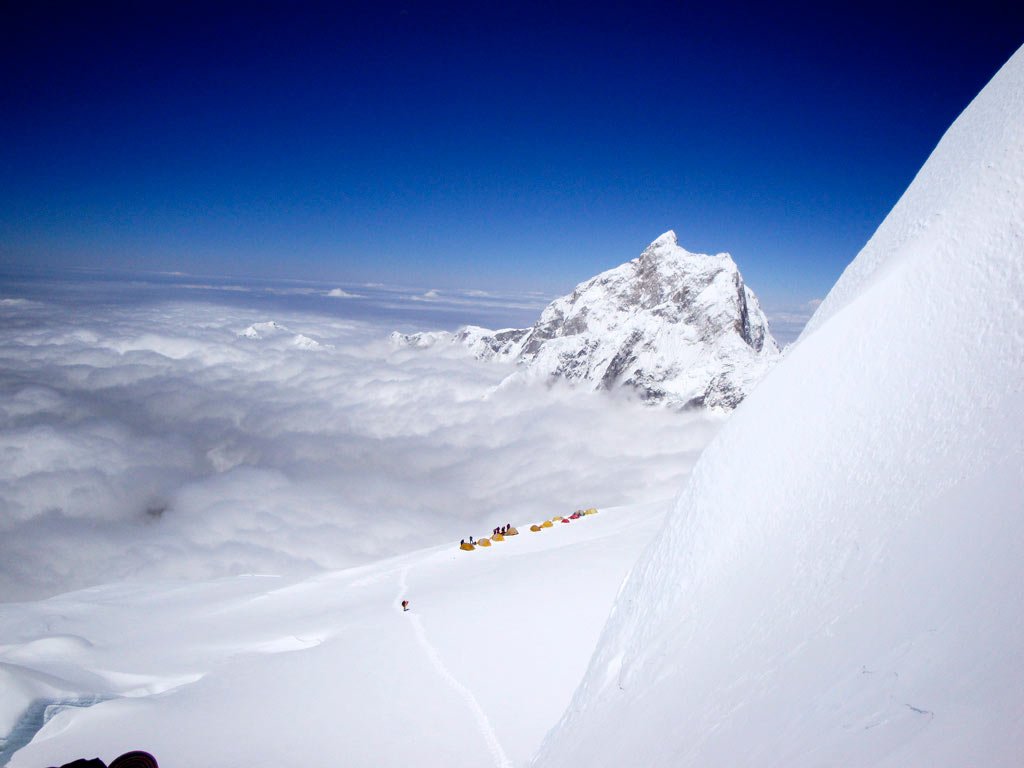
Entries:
{"x":527,"y":146}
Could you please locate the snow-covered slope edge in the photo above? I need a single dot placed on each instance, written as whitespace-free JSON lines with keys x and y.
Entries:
{"x":327,"y":670}
{"x":841,"y":580}
{"x":671,"y":326}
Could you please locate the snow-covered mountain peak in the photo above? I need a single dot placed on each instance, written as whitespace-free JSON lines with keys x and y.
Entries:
{"x":667,"y":273}
{"x":664,"y":242}
{"x":665,"y":249}
{"x":672,"y":326}
{"x":260,"y":330}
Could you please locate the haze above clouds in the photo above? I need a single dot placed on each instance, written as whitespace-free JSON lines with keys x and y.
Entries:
{"x":144,"y":435}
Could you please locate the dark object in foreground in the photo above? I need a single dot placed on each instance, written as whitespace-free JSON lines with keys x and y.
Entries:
{"x":127,"y":760}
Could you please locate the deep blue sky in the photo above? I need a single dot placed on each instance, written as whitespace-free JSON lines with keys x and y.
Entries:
{"x":423,"y":143}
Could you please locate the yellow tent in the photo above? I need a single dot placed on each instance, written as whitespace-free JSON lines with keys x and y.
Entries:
{"x":511,"y":532}
{"x":467,"y":547}
{"x":483,"y":542}
{"x":547,"y":524}
{"x":590,"y":511}
{"x":535,"y":528}
{"x":497,"y":537}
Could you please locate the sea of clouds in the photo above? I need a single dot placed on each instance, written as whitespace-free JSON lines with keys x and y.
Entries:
{"x":169,"y":428}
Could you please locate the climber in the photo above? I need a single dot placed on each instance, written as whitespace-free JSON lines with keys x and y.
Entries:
{"x":405,"y":605}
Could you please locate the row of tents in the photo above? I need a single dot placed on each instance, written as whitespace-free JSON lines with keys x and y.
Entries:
{"x":535,"y":528}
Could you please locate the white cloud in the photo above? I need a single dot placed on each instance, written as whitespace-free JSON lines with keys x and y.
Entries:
{"x":788,"y":322}
{"x":338,"y":293}
{"x":153,"y":440}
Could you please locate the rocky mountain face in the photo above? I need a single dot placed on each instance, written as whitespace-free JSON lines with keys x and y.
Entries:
{"x":674,"y":327}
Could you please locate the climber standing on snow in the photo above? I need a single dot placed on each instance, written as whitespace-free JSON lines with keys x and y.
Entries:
{"x":405,"y":605}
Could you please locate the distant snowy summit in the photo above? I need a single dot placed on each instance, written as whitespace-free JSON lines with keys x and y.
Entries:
{"x":259,"y":330}
{"x":675,"y":327}
{"x":272,"y":329}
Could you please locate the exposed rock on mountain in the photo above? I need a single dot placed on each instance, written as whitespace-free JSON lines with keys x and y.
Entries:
{"x":676,"y":327}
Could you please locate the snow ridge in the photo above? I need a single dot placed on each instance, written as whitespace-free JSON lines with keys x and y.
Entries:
{"x":670,"y":326}
{"x":839,"y":582}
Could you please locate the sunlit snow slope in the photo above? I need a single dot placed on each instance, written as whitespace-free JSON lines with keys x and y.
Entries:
{"x":842,"y":580}
{"x":267,"y":671}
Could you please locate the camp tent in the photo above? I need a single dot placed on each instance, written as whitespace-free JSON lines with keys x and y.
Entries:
{"x":511,"y":532}
{"x":483,"y":542}
{"x":467,"y":547}
{"x":547,"y":524}
{"x":535,"y":528}
{"x":497,"y":537}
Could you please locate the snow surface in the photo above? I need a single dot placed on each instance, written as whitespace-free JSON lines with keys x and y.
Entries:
{"x":265,"y":671}
{"x":841,"y":581}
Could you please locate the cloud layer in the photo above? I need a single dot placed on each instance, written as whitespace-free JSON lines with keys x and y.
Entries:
{"x":154,"y":438}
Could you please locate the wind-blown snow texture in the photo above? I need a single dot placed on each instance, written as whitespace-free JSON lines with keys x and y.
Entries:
{"x":673,"y":326}
{"x":841,"y":580}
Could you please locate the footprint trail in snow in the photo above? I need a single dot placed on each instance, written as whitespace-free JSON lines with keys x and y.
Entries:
{"x":483,"y":724}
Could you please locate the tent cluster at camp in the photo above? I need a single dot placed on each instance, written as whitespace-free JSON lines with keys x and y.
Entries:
{"x":470,"y":545}
{"x":559,"y":519}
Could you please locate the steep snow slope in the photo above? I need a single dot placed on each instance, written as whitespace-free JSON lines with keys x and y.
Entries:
{"x":673,"y":326}
{"x":841,"y":581}
{"x":261,"y":670}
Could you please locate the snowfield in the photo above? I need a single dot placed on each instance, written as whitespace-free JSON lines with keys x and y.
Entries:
{"x":265,"y":671}
{"x":841,"y":580}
